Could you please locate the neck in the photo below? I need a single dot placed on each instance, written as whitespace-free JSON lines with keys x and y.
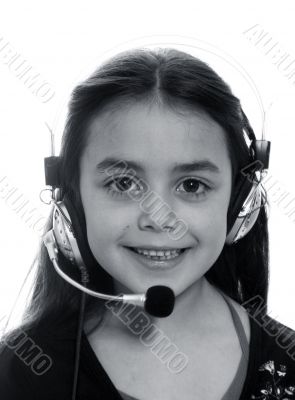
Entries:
{"x":196,"y":308}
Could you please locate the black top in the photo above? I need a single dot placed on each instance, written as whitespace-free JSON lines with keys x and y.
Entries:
{"x":39,"y":365}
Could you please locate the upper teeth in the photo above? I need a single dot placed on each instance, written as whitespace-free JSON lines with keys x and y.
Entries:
{"x":159,"y":253}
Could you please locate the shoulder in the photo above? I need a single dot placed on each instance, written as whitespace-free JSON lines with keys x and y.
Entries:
{"x":271,"y":369}
{"x":15,"y":381}
{"x":275,"y":365}
{"x":244,"y":317}
{"x":271,"y":340}
{"x":31,"y":362}
{"x":277,"y":339}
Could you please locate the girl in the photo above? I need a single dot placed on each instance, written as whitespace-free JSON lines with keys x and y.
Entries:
{"x":153,"y":124}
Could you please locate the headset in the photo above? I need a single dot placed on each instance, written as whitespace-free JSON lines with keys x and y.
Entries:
{"x":67,"y":238}
{"x":249,"y":195}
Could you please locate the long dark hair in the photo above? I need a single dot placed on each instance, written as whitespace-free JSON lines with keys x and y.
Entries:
{"x":173,"y":78}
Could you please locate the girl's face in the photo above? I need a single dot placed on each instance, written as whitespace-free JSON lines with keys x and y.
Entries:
{"x":158,"y":142}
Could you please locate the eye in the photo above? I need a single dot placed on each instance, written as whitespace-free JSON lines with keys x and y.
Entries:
{"x":121,"y":186}
{"x":191,"y":187}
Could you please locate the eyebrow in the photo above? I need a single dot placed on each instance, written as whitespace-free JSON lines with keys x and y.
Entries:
{"x":114,"y":164}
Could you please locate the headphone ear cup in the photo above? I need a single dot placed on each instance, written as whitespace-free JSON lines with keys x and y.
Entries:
{"x":81,"y":247}
{"x":69,"y":229}
{"x":249,"y":209}
{"x":70,"y":235}
{"x":64,"y":234}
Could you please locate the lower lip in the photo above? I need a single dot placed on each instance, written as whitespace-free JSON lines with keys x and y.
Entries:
{"x":158,"y":265}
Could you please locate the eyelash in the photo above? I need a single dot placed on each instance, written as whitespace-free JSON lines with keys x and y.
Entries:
{"x":123,"y":193}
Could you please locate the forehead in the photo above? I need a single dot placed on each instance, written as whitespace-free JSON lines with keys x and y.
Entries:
{"x":155,"y":135}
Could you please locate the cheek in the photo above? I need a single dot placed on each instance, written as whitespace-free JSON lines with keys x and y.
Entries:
{"x":102,"y":233}
{"x":105,"y":225}
{"x":207,"y":219}
{"x":209,"y":231}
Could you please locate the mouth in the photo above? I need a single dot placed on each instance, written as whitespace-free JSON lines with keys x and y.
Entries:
{"x":158,"y":259}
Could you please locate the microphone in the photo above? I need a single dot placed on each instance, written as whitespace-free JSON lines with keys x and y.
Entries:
{"x":158,"y":301}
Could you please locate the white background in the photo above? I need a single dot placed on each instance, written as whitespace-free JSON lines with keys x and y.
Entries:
{"x":63,"y":41}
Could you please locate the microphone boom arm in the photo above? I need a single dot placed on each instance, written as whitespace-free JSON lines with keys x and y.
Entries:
{"x":49,"y":242}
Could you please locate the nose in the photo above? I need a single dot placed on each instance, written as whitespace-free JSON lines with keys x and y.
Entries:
{"x":157,"y":221}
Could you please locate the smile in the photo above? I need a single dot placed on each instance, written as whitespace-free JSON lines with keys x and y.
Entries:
{"x":158,"y":259}
{"x":158,"y":254}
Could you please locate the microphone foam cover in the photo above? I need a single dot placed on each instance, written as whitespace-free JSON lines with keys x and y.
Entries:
{"x":159,"y":301}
